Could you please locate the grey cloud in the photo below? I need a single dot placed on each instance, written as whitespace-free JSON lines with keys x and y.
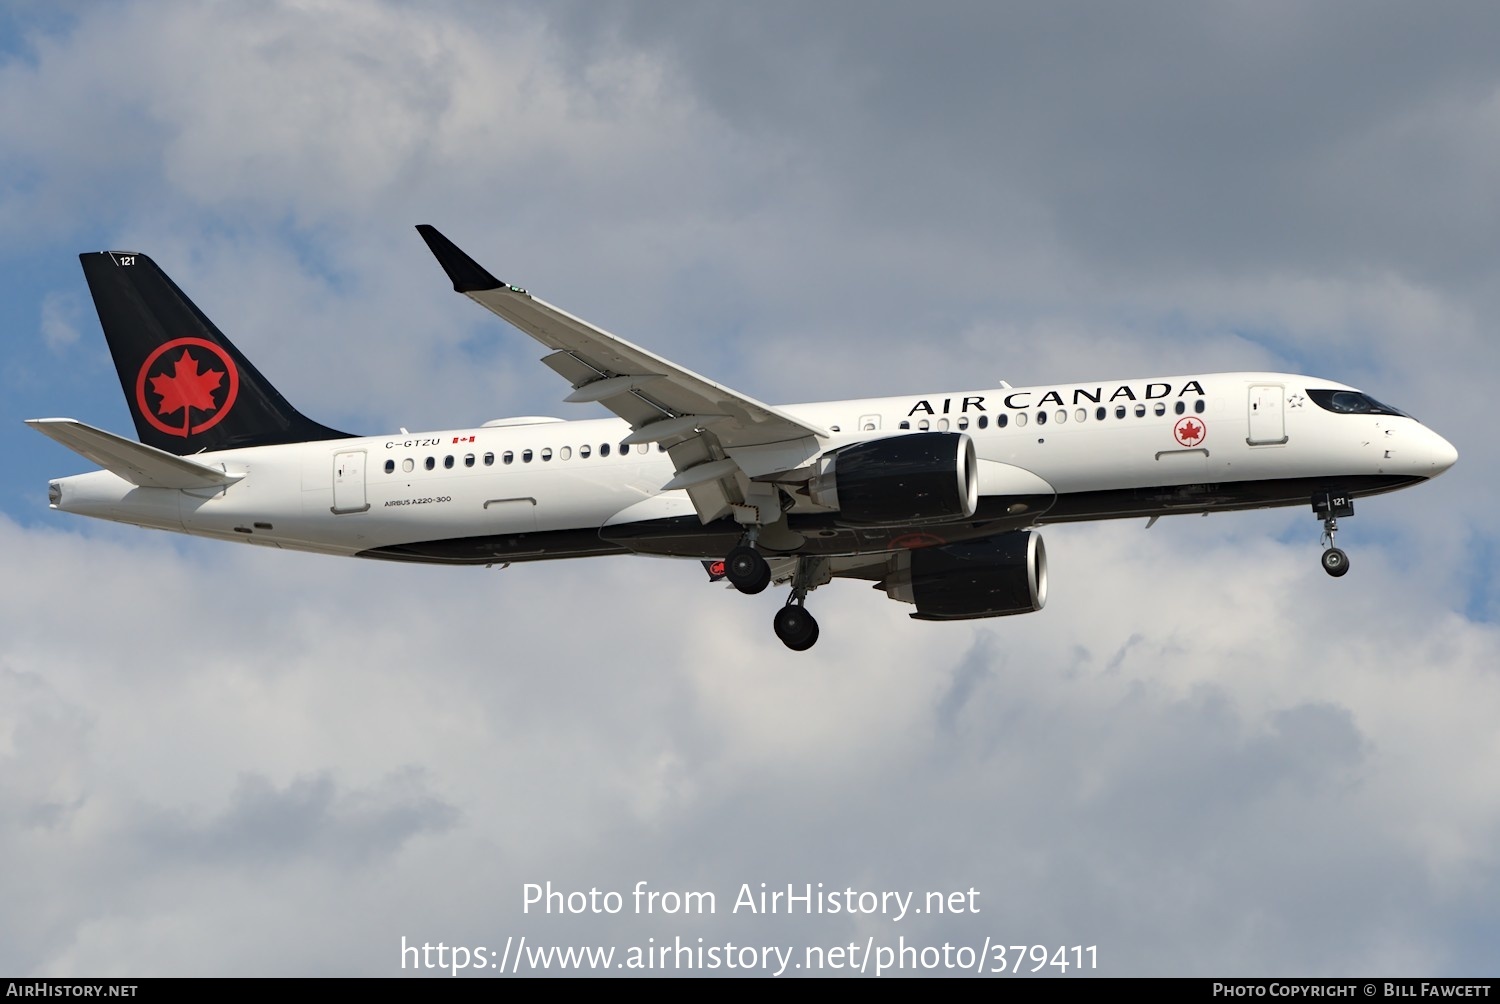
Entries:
{"x":310,"y":818}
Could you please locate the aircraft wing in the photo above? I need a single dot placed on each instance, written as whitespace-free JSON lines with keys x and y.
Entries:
{"x":717,"y":438}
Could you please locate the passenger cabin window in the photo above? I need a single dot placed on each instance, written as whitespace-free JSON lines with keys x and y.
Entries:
{"x":1140,"y":411}
{"x":509,"y":457}
{"x":583,"y":452}
{"x":489,"y":460}
{"x":407,"y":465}
{"x":430,"y":463}
{"x":904,"y":424}
{"x":603,"y":449}
{"x":963,"y":422}
{"x":468,"y":460}
{"x":1161,"y":409}
{"x":1020,"y":420}
{"x":1180,"y":407}
{"x":1041,"y":418}
{"x":448,"y":462}
{"x":924,"y":425}
{"x":1198,"y":406}
{"x":1001,"y":421}
{"x":547,"y":454}
{"x":1119,"y":411}
{"x":525,"y":456}
{"x":984,"y":421}
{"x":390,"y":467}
{"x":1101,"y":412}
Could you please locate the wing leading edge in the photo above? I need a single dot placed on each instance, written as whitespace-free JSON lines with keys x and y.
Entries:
{"x":718,"y":438}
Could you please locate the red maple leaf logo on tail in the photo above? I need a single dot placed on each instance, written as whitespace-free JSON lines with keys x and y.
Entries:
{"x":186,"y":389}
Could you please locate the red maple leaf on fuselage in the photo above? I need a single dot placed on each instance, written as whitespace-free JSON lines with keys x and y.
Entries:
{"x":186,"y":387}
{"x":1191,"y":432}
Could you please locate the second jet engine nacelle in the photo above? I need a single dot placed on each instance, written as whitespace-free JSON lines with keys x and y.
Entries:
{"x":995,"y":577}
{"x":925,"y":477}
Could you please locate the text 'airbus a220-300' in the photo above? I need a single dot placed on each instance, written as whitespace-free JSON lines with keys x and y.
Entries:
{"x":933,"y":498}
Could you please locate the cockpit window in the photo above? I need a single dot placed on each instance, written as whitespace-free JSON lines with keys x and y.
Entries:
{"x":1352,"y":402}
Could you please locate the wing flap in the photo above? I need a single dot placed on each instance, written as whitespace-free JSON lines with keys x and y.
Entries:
{"x":137,"y":463}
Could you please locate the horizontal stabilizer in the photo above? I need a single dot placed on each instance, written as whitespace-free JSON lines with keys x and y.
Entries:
{"x":137,"y":463}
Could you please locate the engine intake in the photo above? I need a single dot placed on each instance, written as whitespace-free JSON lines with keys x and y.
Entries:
{"x":995,"y":577}
{"x":925,"y":477}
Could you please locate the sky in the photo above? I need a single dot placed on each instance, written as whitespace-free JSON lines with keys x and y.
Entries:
{"x":1204,"y":756}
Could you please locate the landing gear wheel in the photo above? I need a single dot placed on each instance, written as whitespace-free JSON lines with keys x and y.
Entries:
{"x":796,"y":627}
{"x":746,"y":570}
{"x":1335,"y":562}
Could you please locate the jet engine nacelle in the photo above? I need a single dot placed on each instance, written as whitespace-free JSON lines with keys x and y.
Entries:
{"x":925,"y":477}
{"x":995,"y":577}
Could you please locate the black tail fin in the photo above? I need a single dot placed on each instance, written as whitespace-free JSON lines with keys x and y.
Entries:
{"x":187,"y":386}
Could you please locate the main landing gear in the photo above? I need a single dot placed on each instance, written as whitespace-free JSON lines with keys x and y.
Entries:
{"x":796,"y":627}
{"x":1330,"y":506}
{"x":748,"y":572}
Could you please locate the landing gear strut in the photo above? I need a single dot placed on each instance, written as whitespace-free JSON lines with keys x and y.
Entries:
{"x":1330,"y":506}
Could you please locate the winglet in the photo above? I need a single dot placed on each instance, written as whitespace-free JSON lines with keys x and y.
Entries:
{"x":467,"y":274}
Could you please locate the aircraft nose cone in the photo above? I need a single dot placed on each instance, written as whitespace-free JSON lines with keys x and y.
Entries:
{"x":1447,"y":455}
{"x":1440,"y":453}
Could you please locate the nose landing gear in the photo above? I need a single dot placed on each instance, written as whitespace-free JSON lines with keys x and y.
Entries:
{"x":1335,"y":562}
{"x":1330,"y":506}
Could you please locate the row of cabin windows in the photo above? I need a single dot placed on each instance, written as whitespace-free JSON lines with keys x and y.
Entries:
{"x":1060,"y":416}
{"x":923,"y":425}
{"x":527,"y":456}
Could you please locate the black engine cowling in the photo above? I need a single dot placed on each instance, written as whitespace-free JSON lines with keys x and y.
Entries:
{"x":995,"y":577}
{"x":925,"y":477}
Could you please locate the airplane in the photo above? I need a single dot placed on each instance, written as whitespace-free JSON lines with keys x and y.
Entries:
{"x":935,"y":499}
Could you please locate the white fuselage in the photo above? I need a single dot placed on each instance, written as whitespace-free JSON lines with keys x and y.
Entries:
{"x":1079,"y":441}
